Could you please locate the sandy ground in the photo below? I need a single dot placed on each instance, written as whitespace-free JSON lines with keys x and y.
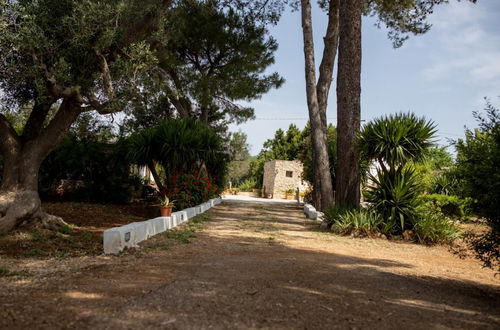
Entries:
{"x":254,"y":265}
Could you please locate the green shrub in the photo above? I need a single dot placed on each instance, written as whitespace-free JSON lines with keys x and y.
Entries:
{"x":333,"y":213}
{"x":248,"y":185}
{"x":394,"y":195}
{"x":445,"y":183}
{"x":190,"y":189}
{"x":478,"y":161}
{"x":432,"y":227}
{"x":359,"y":222}
{"x":451,"y":206}
{"x":102,"y":167}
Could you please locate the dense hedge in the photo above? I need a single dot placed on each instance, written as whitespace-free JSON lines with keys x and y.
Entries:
{"x":101,"y":167}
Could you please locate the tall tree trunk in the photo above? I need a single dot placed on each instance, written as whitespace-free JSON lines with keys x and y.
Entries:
{"x":349,"y":103}
{"x":19,"y":199}
{"x":321,"y":166}
{"x":331,"y":41}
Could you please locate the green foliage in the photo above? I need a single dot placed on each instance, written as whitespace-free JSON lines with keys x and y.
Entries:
{"x":451,"y":206}
{"x":248,"y":185}
{"x":68,"y":40}
{"x":233,"y":191}
{"x":436,"y":162}
{"x":358,"y":222}
{"x":395,"y":140}
{"x":179,"y":145}
{"x":478,"y":161}
{"x":402,"y":17}
{"x":478,"y":164}
{"x":333,"y":213}
{"x":394,"y":195}
{"x":190,"y":189}
{"x":284,"y":145}
{"x":432,"y":227}
{"x":445,"y":183}
{"x":102,"y":168}
{"x":239,"y":167}
{"x":305,"y":153}
{"x":217,"y":61}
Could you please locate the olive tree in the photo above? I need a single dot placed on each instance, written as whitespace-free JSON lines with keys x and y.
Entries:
{"x":59,"y":59}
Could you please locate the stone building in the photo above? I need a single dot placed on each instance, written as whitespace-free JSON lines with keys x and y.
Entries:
{"x":281,"y":175}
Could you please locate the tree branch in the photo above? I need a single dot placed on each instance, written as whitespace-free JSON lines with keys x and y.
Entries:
{"x":102,"y":108}
{"x":36,"y":119}
{"x":9,"y":140}
{"x":331,"y":40}
{"x":55,"y":90}
{"x":57,"y":129}
{"x":106,"y":76}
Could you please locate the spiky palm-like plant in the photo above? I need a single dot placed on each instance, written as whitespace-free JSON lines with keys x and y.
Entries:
{"x":176,"y":144}
{"x":395,"y":196}
{"x":394,"y":142}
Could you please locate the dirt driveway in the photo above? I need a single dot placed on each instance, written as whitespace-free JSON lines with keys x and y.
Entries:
{"x":254,"y":265}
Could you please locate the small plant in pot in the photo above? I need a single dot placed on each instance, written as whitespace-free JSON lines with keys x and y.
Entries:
{"x":289,"y":193}
{"x":166,"y":205}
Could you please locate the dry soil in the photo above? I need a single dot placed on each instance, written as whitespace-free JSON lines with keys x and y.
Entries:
{"x":248,"y":265}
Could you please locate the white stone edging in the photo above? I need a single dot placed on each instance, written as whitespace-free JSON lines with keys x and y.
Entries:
{"x":311,"y":212}
{"x":118,"y":238}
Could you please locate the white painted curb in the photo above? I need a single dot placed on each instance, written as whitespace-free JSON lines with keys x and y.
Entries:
{"x":118,"y":238}
{"x":312,"y":213}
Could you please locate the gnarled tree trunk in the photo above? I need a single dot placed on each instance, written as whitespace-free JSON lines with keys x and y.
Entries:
{"x":23,"y":155}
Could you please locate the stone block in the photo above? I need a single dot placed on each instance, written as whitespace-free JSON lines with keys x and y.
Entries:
{"x":170,"y":222}
{"x":159,"y":225}
{"x":191,"y":212}
{"x":181,"y":215}
{"x":116,"y":239}
{"x":143,"y":230}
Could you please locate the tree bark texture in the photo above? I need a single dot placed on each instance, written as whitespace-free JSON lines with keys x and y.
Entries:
{"x":19,"y":199}
{"x":321,"y":165}
{"x":349,"y":103}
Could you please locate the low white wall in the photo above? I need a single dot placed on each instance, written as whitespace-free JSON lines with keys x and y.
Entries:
{"x":311,"y":212}
{"x":118,"y":238}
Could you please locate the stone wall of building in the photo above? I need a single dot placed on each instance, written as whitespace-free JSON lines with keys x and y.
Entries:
{"x":281,"y":175}
{"x":268,"y":182}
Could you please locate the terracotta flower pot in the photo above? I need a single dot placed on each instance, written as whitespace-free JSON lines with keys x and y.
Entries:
{"x":166,"y":211}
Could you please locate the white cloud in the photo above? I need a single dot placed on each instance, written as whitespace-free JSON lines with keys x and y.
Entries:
{"x":465,"y":45}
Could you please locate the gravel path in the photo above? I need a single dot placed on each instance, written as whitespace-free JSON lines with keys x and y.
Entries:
{"x":256,"y":265}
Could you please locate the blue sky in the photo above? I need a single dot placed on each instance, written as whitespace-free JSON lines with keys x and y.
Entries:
{"x":442,"y":75}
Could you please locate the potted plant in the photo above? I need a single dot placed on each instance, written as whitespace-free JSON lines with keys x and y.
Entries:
{"x":166,"y":205}
{"x":289,"y":193}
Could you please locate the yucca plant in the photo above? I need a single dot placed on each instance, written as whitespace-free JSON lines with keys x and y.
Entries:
{"x":395,"y":196}
{"x":395,"y":142}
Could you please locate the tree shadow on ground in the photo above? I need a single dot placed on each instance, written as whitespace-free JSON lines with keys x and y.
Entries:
{"x":229,"y":279}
